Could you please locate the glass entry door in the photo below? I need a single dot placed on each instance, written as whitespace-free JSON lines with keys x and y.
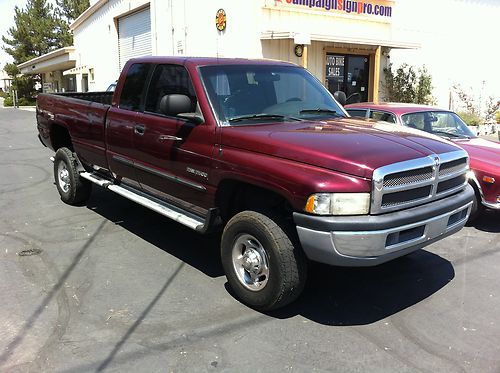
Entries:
{"x":349,"y":74}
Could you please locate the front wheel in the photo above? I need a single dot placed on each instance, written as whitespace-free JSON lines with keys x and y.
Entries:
{"x":72,"y":188}
{"x":263,"y":261}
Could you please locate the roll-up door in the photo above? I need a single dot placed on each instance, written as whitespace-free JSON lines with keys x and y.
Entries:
{"x":134,"y":36}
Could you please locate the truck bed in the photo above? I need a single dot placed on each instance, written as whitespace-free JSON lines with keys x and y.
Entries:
{"x":83,"y":115}
{"x":99,"y":97}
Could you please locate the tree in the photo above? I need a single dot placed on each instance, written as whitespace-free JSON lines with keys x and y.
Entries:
{"x":471,"y":119}
{"x":37,"y":31}
{"x":497,"y":117}
{"x":408,"y":85}
{"x":467,"y":99}
{"x":71,"y":9}
{"x":492,"y":106}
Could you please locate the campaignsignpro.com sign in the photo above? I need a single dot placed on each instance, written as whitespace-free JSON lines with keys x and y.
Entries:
{"x":373,"y":8}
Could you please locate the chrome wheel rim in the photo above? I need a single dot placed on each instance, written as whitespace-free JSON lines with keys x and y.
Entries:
{"x":250,"y":262}
{"x":63,"y":178}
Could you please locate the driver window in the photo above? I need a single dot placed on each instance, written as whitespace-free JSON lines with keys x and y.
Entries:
{"x":167,"y":80}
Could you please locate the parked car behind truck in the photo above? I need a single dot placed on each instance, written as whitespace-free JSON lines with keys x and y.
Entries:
{"x":261,"y":151}
{"x":484,"y":154}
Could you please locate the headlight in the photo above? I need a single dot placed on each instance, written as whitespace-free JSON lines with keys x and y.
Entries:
{"x":338,"y":204}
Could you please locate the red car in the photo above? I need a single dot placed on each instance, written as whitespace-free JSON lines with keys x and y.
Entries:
{"x":484,"y":154}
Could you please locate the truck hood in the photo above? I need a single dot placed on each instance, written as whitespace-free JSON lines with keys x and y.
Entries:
{"x":484,"y":154}
{"x":347,"y":145}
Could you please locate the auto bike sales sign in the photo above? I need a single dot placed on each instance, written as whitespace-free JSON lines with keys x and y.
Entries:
{"x":380,"y":8}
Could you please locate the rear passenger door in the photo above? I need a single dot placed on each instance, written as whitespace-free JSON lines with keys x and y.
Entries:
{"x":121,"y":122}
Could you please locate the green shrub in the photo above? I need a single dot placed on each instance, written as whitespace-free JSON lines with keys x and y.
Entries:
{"x":470,"y":119}
{"x":27,"y":102}
{"x":8,"y":102}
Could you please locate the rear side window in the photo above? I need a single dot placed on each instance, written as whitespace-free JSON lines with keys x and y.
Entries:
{"x":167,"y":80}
{"x":357,"y":113}
{"x":382,"y":115}
{"x":134,"y":87}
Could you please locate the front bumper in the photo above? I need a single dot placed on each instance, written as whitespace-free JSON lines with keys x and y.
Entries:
{"x":368,"y":240}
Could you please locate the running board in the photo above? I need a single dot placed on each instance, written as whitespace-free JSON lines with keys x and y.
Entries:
{"x":172,"y":212}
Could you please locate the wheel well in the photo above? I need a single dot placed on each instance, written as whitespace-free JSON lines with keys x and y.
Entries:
{"x":234,"y":196}
{"x":59,"y":137}
{"x":474,"y":186}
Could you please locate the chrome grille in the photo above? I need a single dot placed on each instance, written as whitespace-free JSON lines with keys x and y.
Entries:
{"x":414,"y":182}
{"x":452,"y":167}
{"x":408,"y":177}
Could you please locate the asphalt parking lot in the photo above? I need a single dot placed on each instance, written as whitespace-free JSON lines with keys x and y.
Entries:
{"x":113,"y":286}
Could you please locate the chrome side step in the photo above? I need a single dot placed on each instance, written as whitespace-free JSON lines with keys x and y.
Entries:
{"x":172,"y":212}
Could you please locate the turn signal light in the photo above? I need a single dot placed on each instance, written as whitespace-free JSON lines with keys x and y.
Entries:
{"x":489,"y":179}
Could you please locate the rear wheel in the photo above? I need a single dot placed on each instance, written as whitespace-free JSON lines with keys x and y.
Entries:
{"x":72,"y":188}
{"x":263,"y":261}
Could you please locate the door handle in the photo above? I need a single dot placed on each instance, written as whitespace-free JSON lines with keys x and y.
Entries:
{"x":139,"y":129}
{"x":170,"y":138}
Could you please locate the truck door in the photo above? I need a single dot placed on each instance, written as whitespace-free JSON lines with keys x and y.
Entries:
{"x":121,"y":123}
{"x":158,"y":139}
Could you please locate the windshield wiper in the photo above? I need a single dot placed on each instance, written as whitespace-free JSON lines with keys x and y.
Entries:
{"x":451,"y":134}
{"x":320,"y":111}
{"x":262,"y":116}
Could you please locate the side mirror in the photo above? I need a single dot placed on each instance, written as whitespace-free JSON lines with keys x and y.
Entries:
{"x":175,"y":104}
{"x":340,"y":97}
{"x":179,"y":106}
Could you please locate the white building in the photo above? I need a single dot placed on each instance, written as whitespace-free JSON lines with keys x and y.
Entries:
{"x":5,"y":81}
{"x":344,"y":43}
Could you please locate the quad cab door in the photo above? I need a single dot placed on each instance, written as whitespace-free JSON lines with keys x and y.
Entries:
{"x":172,"y":155}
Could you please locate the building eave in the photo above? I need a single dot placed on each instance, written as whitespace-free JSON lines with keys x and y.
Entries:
{"x":271,"y":35}
{"x":60,"y":59}
{"x":87,"y":13}
{"x":46,"y":57}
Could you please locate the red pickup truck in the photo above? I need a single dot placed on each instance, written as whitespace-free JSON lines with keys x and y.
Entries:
{"x":263,"y":152}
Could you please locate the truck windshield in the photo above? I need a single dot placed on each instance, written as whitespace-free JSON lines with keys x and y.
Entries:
{"x":252,"y":94}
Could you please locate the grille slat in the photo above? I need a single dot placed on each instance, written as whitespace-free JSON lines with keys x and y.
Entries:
{"x":410,"y":183}
{"x":452,"y":167}
{"x":408,"y":177}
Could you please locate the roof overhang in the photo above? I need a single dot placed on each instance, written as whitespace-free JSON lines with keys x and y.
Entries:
{"x":60,"y":59}
{"x":77,"y":70}
{"x":271,"y":35}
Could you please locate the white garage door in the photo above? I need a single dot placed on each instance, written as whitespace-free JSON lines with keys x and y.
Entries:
{"x":134,"y":36}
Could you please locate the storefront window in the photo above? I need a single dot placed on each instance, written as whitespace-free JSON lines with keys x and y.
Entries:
{"x":349,"y":74}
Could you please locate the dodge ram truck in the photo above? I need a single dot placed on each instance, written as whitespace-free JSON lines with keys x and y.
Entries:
{"x":262,"y":152}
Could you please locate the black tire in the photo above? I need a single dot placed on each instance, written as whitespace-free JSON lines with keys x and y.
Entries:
{"x":476,"y":209}
{"x":286,"y":262}
{"x":73,"y":189}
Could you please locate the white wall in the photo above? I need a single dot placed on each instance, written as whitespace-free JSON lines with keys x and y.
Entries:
{"x":96,"y":42}
{"x":195,"y":33}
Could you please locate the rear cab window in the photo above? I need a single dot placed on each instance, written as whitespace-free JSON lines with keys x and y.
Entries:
{"x":134,"y":88}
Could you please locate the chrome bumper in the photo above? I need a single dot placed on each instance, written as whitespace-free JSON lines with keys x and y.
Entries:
{"x":383,"y":237}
